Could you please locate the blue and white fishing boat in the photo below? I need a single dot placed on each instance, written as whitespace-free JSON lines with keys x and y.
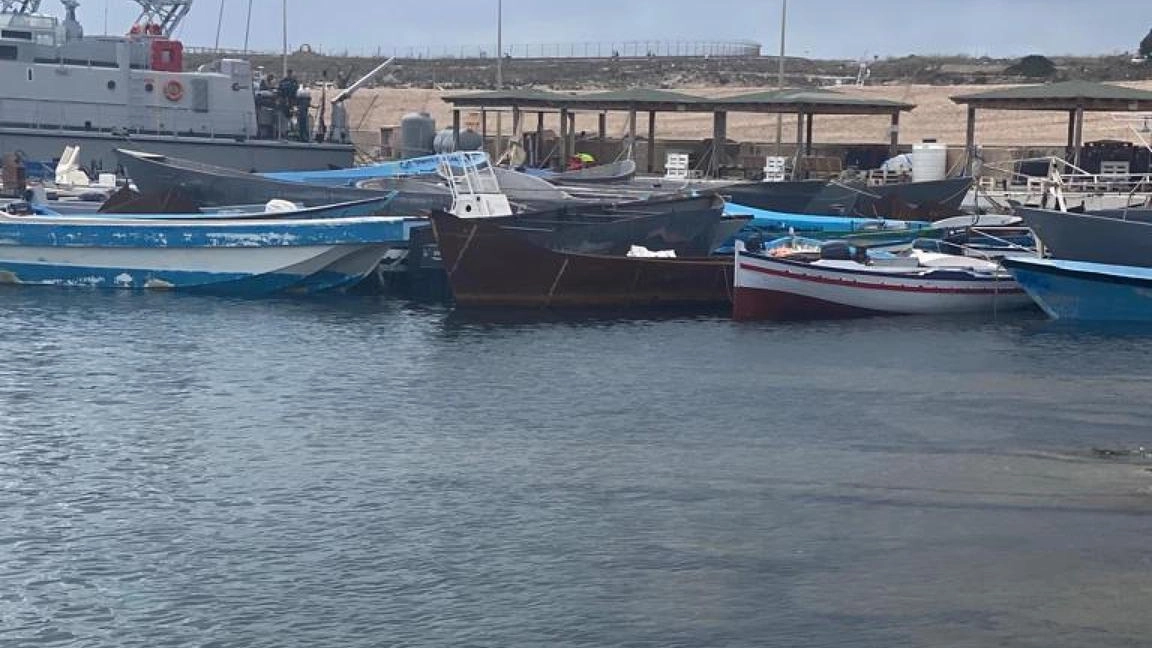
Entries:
{"x":235,"y":257}
{"x":805,"y":279}
{"x":1082,"y":290}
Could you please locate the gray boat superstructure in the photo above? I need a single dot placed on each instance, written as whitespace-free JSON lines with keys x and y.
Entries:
{"x":60,"y":87}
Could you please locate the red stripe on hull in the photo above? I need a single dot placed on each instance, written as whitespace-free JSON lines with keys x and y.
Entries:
{"x":749,"y":304}
{"x":862,"y":281}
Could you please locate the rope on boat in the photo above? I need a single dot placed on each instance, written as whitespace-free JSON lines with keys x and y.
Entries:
{"x":556,"y":281}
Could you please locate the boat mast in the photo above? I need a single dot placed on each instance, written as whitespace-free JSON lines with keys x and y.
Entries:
{"x":248,"y":26}
{"x":499,"y":74}
{"x":499,"y":44}
{"x":284,"y":11}
{"x":780,"y":77}
{"x":219,"y":24}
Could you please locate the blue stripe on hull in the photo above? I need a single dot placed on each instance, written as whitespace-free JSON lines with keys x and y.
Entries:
{"x":773,"y":221}
{"x":349,"y":177}
{"x":44,"y":233}
{"x":215,"y":283}
{"x":1078,"y":298}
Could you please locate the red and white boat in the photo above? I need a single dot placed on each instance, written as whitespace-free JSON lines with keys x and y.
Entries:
{"x":830,"y":283}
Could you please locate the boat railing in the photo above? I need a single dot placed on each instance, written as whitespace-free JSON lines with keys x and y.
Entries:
{"x":994,"y":234}
{"x":1072,"y":178}
{"x":474,"y":186}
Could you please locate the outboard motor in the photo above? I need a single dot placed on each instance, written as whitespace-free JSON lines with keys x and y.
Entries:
{"x":754,"y":243}
{"x":338,"y":131}
{"x":266,"y":114}
{"x":303,"y":103}
{"x":836,"y":251}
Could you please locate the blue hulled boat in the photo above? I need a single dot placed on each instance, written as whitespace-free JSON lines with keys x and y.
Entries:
{"x":418,"y":166}
{"x":236,"y":257}
{"x":356,"y":208}
{"x":1081,"y":290}
{"x":768,"y":221}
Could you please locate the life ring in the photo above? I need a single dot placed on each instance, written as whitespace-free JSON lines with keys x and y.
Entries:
{"x":173,"y":90}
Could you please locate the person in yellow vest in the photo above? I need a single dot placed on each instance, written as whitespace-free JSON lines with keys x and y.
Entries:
{"x":581,"y":161}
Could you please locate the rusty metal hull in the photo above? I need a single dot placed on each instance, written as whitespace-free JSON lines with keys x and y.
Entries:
{"x":488,"y":266}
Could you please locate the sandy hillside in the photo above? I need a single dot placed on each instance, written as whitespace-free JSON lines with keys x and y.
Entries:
{"x":935,"y":116}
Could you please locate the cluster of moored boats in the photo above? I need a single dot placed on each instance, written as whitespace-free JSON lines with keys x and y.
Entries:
{"x":503,"y":237}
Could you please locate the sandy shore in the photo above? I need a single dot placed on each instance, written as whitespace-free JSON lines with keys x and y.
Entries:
{"x":935,"y":116}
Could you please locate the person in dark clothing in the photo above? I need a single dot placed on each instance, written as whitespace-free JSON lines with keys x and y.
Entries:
{"x":286,"y":92}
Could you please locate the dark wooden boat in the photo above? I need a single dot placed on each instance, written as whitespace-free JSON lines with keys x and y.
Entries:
{"x":611,"y":173}
{"x":208,"y":185}
{"x":927,"y":200}
{"x":488,"y":265}
{"x":1093,"y":237}
{"x":791,"y":197}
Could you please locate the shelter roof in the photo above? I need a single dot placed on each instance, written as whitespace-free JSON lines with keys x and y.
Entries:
{"x":512,"y":97}
{"x":1066,"y":95}
{"x":812,"y":100}
{"x":637,"y":96}
{"x":815,"y":101}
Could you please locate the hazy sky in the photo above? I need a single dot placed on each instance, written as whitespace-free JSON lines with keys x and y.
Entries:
{"x":817,"y":28}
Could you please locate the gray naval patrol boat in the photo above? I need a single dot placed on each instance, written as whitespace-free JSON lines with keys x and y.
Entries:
{"x":59,"y":87}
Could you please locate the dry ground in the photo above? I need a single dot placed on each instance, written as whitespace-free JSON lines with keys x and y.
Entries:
{"x":934,"y":117}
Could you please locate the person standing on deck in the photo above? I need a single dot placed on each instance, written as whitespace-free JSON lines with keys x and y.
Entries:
{"x":287,"y":90}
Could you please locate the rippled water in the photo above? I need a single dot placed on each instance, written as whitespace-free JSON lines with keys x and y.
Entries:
{"x":182,"y":471}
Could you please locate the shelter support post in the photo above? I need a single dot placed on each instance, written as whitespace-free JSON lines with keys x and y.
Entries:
{"x":538,"y":145}
{"x":808,"y":135}
{"x":455,"y":127}
{"x":603,"y":125}
{"x":719,"y":136}
{"x":499,"y":135}
{"x":572,"y":133}
{"x":563,"y":143}
{"x":894,"y":131}
{"x":970,"y":142}
{"x":1079,"y":143}
{"x":651,"y":141}
{"x":1070,"y":148}
{"x":517,"y":123}
{"x":631,"y":132}
{"x":494,"y":149}
{"x":798,"y":172}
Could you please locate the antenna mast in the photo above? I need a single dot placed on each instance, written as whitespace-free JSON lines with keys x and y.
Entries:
{"x":162,"y":16}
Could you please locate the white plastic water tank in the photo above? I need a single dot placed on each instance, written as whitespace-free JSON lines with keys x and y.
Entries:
{"x":929,"y":161}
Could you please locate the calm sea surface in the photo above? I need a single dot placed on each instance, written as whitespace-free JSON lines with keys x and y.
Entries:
{"x":183,"y":471}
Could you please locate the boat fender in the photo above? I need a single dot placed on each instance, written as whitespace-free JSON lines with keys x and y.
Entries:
{"x":173,"y":90}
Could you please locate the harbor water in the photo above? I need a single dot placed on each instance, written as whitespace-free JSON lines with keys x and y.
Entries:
{"x":359,"y":472}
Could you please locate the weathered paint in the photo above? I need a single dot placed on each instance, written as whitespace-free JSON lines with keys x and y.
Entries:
{"x":47,"y":231}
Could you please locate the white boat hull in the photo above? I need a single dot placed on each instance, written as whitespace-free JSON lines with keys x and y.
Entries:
{"x":769,"y":288}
